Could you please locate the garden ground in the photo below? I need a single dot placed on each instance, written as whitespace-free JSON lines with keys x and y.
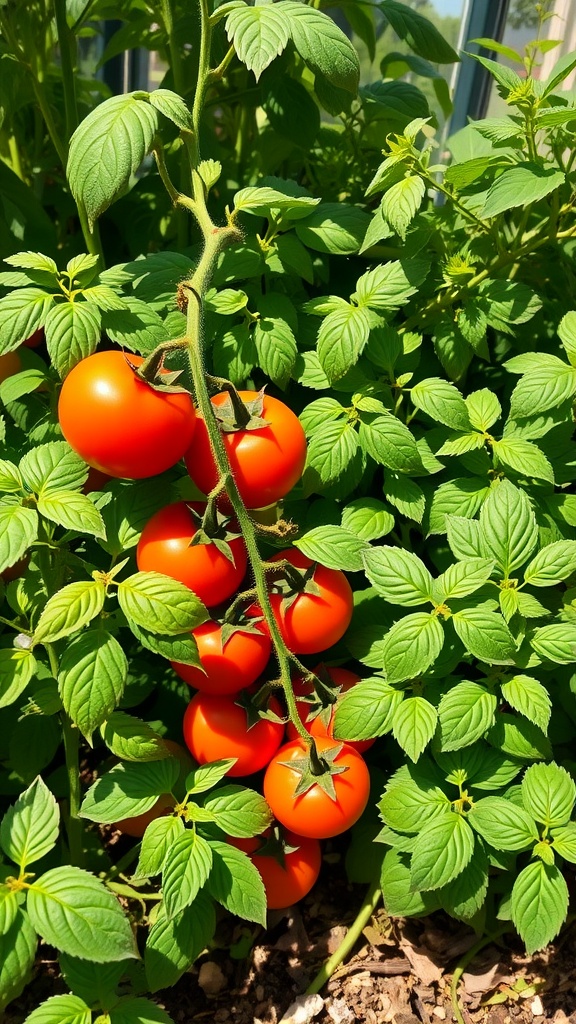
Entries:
{"x":401,"y":971}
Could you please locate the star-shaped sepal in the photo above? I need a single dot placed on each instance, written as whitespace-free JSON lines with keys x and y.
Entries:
{"x":275,"y":844}
{"x":317,"y":770}
{"x":234,"y":414}
{"x":291,"y":582}
{"x":152,"y":372}
{"x":214,"y":527}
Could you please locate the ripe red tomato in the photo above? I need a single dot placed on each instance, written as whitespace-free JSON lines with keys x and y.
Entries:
{"x":215,"y":728}
{"x":313,"y":623}
{"x":10,"y":363}
{"x":118,"y":423}
{"x":314,"y":813}
{"x":287,"y":884}
{"x":229,"y":668}
{"x":317,"y":727}
{"x":266,"y":462}
{"x":164,"y":546}
{"x":137,"y":825}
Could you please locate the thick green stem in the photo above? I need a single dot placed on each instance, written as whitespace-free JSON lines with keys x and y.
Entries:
{"x":67,"y":62}
{"x":203,"y":76}
{"x":177,"y":66}
{"x":71,"y":751}
{"x":371,"y":901}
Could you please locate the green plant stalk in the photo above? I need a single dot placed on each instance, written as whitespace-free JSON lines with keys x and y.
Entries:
{"x":71,"y":752}
{"x":371,"y":901}
{"x":67,"y":64}
{"x":463,"y":964}
{"x":179,"y":85}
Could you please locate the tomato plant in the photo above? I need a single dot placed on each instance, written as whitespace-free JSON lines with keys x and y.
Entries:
{"x":216,"y":727}
{"x":118,"y":423}
{"x":315,"y":812}
{"x":289,"y":866}
{"x":229,"y":663}
{"x":137,"y":824}
{"x":213,"y":568}
{"x":262,"y":227}
{"x":266,"y":458}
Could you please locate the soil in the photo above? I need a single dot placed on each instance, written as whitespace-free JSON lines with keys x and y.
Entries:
{"x":400,"y":971}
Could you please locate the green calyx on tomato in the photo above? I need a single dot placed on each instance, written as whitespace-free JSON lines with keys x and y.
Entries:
{"x":266,"y":454}
{"x":308,"y":803}
{"x":166,"y":546}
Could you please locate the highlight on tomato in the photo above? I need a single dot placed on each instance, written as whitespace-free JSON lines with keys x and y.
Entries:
{"x":216,"y":728}
{"x":289,"y":864}
{"x":322,"y":721}
{"x":266,"y":446}
{"x":120,"y":424}
{"x":213,"y":568}
{"x":314,"y":607}
{"x":322,"y":805}
{"x":232,"y":657}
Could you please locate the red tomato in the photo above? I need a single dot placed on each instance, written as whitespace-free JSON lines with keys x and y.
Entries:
{"x":266,"y":462}
{"x":164,"y":546}
{"x":285,"y":885}
{"x":229,"y":668}
{"x":215,"y":728}
{"x":35,"y":339}
{"x":118,"y":423}
{"x":314,"y":623}
{"x":137,"y":825}
{"x":10,"y":363}
{"x":317,"y":727}
{"x":314,"y":813}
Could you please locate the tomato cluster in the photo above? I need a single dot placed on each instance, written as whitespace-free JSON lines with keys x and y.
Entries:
{"x":232,"y":714}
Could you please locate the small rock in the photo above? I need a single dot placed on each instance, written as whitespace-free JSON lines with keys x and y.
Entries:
{"x":340,"y":1012}
{"x":439,"y":1012}
{"x":303,"y":1010}
{"x":211,"y":978}
{"x":536,"y":1007}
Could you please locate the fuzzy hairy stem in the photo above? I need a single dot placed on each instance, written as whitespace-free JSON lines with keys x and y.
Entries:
{"x":371,"y":901}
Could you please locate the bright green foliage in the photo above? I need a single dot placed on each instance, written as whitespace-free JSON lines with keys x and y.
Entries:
{"x":430,"y":353}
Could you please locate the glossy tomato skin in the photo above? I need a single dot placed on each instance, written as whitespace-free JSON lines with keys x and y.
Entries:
{"x":314,"y":813}
{"x":285,"y":885}
{"x":10,"y":363}
{"x":266,"y":463}
{"x":341,"y":677}
{"x":137,"y":825}
{"x":215,"y":728}
{"x":118,"y":423}
{"x":164,"y":546}
{"x":313,"y":623}
{"x":230,"y":668}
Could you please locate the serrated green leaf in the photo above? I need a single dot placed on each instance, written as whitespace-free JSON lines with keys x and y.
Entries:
{"x":323,"y":46}
{"x":334,"y":547}
{"x":22,"y":312}
{"x":341,"y":339}
{"x":485,"y":635}
{"x":70,"y":610}
{"x":17,"y":668}
{"x":91,"y":680}
{"x":238,"y":811}
{"x":553,"y":563}
{"x":463,"y":578}
{"x":548,"y":794}
{"x":129,"y":789}
{"x":172,"y":946}
{"x":520,"y":185}
{"x":366,"y":710}
{"x":17,"y":954}
{"x":529,"y":698}
{"x":131,"y":739}
{"x":508,"y":526}
{"x":421,"y":35}
{"x":186,"y":869}
{"x":107,"y":148}
{"x":30,"y":827}
{"x":157,"y":840}
{"x":405,"y":495}
{"x":541,"y":390}
{"x":466,"y":893}
{"x":160,"y":603}
{"x":556,"y":642}
{"x":259,"y":35}
{"x":18,"y":530}
{"x":441,"y":851}
{"x":390,"y":285}
{"x":53,"y":467}
{"x":173,"y":107}
{"x":72,"y":511}
{"x":74,"y":911}
{"x":442,"y":402}
{"x":524,"y":457}
{"x":236,"y":884}
{"x":399,"y":899}
{"x":483,"y":409}
{"x":465,"y":713}
{"x":398,"y":575}
{"x":67,"y":1009}
{"x":390,"y":443}
{"x":411,"y":646}
{"x":413,"y":725}
{"x":539,"y":904}
{"x":73,"y":331}
{"x":401,"y":203}
{"x":503,"y":824}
